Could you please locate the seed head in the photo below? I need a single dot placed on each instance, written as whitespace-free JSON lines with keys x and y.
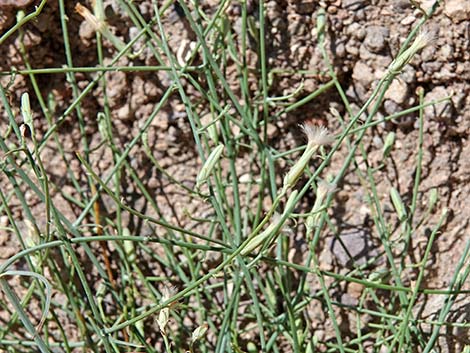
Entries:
{"x":199,"y":332}
{"x":423,"y":39}
{"x":91,"y":19}
{"x":324,"y":188}
{"x":317,"y":135}
{"x":164,"y":315}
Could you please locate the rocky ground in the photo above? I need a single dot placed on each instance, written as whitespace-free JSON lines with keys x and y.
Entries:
{"x":363,"y":38}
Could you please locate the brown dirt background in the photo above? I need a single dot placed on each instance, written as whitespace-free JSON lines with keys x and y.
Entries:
{"x":363,"y":38}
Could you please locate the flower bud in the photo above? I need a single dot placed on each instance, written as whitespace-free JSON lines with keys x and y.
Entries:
{"x":317,"y":136}
{"x":423,"y":39}
{"x":275,"y":226}
{"x":209,"y":165}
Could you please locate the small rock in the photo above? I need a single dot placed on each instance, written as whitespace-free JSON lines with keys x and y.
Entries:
{"x":14,"y":3}
{"x":355,"y":247}
{"x":340,"y":50}
{"x":124,"y":113}
{"x":30,"y":39}
{"x":355,"y":289}
{"x":272,"y":10}
{"x":151,"y":90}
{"x":173,"y":134}
{"x":305,"y":7}
{"x":133,"y":33}
{"x":332,"y":10}
{"x":446,"y":52}
{"x":431,"y":67}
{"x":441,"y":111}
{"x":397,"y":92}
{"x":356,"y":30}
{"x":425,"y":5}
{"x":376,"y":38}
{"x":347,"y":299}
{"x":363,"y":74}
{"x":352,"y":47}
{"x":357,"y":92}
{"x":391,"y":107}
{"x":360,"y":15}
{"x":86,"y":32}
{"x":272,"y":131}
{"x":354,"y":5}
{"x":3,"y":223}
{"x":428,"y":53}
{"x":8,"y":251}
{"x":117,"y":86}
{"x":401,"y":5}
{"x":457,"y":10}
{"x":408,"y":74}
{"x":153,"y":182}
{"x":408,"y":20}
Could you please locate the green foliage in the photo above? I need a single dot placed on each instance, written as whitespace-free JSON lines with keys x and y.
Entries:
{"x":188,"y":304}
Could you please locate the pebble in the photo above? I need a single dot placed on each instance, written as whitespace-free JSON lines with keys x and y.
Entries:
{"x":408,"y":74}
{"x":446,"y":51}
{"x":272,"y":10}
{"x":173,"y":134}
{"x":340,"y":50}
{"x":133,"y":33}
{"x":356,"y":30}
{"x":441,"y":111}
{"x":363,"y":74}
{"x":397,"y":92}
{"x":86,"y":32}
{"x":408,"y":20}
{"x":153,"y":183}
{"x":15,"y":3}
{"x":376,"y":38}
{"x":352,"y":47}
{"x":391,"y":107}
{"x":332,"y":10}
{"x":354,"y":5}
{"x":348,"y":299}
{"x":457,"y":10}
{"x":431,"y":67}
{"x":117,"y":86}
{"x":358,"y":244}
{"x":30,"y":39}
{"x":124,"y":114}
{"x":358,"y":92}
{"x":401,"y":5}
{"x":425,"y":5}
{"x":428,"y":53}
{"x":360,"y":15}
{"x":305,"y":7}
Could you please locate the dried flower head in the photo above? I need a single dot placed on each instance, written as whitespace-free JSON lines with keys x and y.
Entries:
{"x":325,"y":188}
{"x":423,"y":39}
{"x":199,"y":332}
{"x":91,"y":19}
{"x":317,"y":135}
{"x":277,"y":225}
{"x":164,"y":315}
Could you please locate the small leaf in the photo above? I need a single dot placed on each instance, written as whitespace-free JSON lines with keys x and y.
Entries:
{"x":199,"y":332}
{"x":433,"y":198}
{"x":398,"y":204}
{"x":209,"y":165}
{"x":388,"y":145}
